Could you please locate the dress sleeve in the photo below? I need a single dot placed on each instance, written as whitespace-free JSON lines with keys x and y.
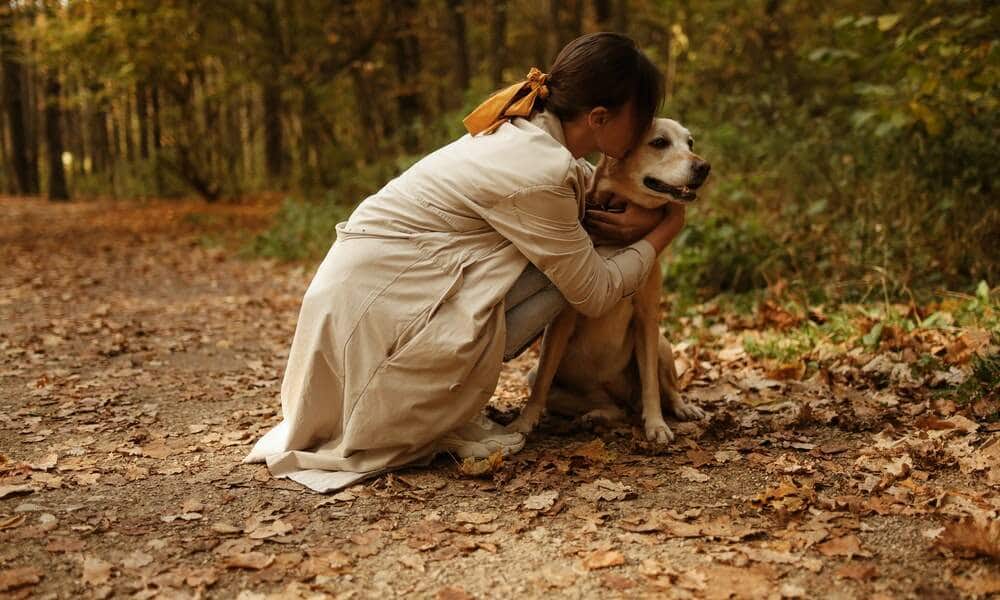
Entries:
{"x":542,"y":222}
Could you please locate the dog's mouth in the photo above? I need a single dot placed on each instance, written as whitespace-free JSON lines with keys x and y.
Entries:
{"x":684,"y":193}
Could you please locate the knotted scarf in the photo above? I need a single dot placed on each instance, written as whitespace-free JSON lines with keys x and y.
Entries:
{"x":513,"y":101}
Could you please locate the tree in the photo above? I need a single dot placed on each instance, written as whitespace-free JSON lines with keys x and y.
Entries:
{"x":13,"y":101}
{"x":54,"y":138}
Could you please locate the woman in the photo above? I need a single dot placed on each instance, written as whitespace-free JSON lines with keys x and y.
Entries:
{"x":403,"y":329}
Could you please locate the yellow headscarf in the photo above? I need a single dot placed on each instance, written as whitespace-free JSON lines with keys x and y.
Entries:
{"x":507,"y":104}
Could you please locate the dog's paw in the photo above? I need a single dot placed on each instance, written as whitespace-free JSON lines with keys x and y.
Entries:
{"x":523,"y":424}
{"x":657,"y":431}
{"x":687,"y":412}
{"x":602,"y":417}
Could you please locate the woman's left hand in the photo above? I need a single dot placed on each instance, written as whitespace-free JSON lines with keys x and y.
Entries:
{"x":628,"y":224}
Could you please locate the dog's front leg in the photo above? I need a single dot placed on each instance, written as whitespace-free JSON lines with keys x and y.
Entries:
{"x":670,"y":386}
{"x":647,"y":354}
{"x":554,"y":342}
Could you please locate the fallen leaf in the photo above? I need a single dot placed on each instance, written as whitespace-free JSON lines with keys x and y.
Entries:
{"x":603,"y":559}
{"x":248,"y":560}
{"x":21,"y":576}
{"x":12,"y":522}
{"x":859,"y":571}
{"x":846,"y":545}
{"x":693,"y":475}
{"x":594,"y":451}
{"x":981,"y":584}
{"x":277,"y":527}
{"x":555,"y":576}
{"x":475,"y":518}
{"x":452,"y":593}
{"x":13,"y":490}
{"x":968,"y":538}
{"x":604,"y":489}
{"x":137,"y":559}
{"x":478,"y":467}
{"x":96,"y":571}
{"x":541,"y":502}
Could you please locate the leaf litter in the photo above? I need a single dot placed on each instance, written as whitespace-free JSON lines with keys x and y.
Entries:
{"x":128,"y":413}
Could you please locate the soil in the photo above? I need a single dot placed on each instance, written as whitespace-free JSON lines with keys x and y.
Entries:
{"x":141,"y":356}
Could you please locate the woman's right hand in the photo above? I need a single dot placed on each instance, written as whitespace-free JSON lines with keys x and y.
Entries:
{"x":664,"y":233}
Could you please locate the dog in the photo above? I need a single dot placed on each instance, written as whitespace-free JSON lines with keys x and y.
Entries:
{"x":621,"y":358}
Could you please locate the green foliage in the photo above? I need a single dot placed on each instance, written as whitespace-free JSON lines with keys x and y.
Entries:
{"x":301,"y":230}
{"x":716,"y":254}
{"x":984,"y":382}
{"x":861,"y":133}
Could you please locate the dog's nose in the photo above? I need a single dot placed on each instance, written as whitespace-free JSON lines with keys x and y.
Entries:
{"x":701,"y":169}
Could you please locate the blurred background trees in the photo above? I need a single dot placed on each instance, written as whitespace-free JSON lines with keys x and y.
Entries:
{"x":854,"y":141}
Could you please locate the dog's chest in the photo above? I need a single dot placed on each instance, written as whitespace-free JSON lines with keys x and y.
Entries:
{"x":599,"y":349}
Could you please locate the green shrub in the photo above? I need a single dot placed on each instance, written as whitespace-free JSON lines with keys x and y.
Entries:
{"x":301,"y":230}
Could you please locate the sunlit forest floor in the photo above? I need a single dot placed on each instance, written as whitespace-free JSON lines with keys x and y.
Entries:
{"x":140,"y":357}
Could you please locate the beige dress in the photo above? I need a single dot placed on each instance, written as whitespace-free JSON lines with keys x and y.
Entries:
{"x":401,"y":332}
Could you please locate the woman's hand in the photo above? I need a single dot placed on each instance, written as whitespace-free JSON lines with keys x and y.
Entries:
{"x":630,"y":223}
{"x":665,"y":232}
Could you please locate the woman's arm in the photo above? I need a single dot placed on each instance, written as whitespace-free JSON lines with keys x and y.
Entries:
{"x":542,"y":222}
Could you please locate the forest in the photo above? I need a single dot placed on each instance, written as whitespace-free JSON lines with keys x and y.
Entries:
{"x":854,"y":141}
{"x":171,"y":173}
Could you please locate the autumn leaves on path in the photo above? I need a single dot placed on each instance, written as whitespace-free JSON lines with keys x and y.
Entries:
{"x":140,"y":357}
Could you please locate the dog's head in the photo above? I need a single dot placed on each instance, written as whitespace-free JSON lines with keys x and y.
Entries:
{"x":662,"y":169}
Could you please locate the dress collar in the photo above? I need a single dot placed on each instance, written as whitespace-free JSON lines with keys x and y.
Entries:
{"x":548,"y":122}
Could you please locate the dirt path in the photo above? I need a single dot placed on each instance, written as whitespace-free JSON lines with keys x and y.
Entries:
{"x":138,"y":365}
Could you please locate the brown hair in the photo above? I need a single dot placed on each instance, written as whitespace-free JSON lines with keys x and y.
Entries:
{"x":604,"y":69}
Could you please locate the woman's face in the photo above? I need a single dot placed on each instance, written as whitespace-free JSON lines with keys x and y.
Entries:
{"x":616,"y":136}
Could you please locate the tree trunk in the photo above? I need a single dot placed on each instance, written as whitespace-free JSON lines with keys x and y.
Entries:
{"x":13,"y":100}
{"x":554,"y":34}
{"x":53,"y":139}
{"x":462,"y":72}
{"x":576,"y":27}
{"x":366,"y":112}
{"x":127,"y":129}
{"x":141,"y":98}
{"x":498,"y":41}
{"x":602,"y":14}
{"x":157,"y":137}
{"x":100,"y":147}
{"x":273,"y":143}
{"x":408,"y":69}
{"x":621,"y":17}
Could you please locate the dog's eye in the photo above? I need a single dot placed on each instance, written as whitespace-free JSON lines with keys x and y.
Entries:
{"x":690,"y":144}
{"x":660,"y":143}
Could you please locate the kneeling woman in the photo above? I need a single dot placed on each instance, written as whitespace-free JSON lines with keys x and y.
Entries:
{"x":403,"y":329}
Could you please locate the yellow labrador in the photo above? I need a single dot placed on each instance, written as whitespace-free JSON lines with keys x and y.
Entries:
{"x":596,"y":364}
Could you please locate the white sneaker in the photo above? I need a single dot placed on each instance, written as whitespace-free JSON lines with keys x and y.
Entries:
{"x":480,"y":438}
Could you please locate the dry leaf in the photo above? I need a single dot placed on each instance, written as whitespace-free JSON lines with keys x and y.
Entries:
{"x":859,"y":571}
{"x":479,"y":467}
{"x":693,"y":475}
{"x":13,"y":490}
{"x":603,"y":559}
{"x":968,"y":538}
{"x":137,"y":559}
{"x":846,"y":545}
{"x":248,"y":560}
{"x":14,"y":578}
{"x":96,"y":571}
{"x":475,"y":518}
{"x":594,"y":451}
{"x":557,"y":576}
{"x":541,"y":502}
{"x":604,"y":489}
{"x":278,"y":527}
{"x":452,"y":593}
